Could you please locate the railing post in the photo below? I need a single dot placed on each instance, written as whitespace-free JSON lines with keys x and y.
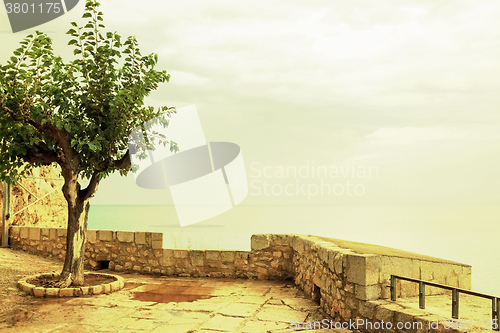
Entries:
{"x":454,"y":303}
{"x":393,"y":288}
{"x":421,"y":295}
{"x":496,"y":304}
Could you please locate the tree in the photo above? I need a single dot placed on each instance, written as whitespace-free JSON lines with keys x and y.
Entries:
{"x":77,"y":114}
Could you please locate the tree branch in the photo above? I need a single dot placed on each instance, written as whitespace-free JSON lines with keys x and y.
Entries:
{"x":91,"y":188}
{"x":124,"y":162}
{"x":60,"y":135}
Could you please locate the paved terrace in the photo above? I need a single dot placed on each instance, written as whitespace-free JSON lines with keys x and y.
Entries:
{"x":153,"y":304}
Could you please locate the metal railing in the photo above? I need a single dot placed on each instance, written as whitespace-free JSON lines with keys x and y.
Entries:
{"x":455,"y":292}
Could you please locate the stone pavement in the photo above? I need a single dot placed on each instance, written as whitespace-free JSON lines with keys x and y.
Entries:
{"x":171,"y":305}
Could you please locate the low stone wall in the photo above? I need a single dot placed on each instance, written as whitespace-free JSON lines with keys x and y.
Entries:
{"x":142,"y":252}
{"x":118,"y":250}
{"x":349,"y":280}
{"x":350,"y":285}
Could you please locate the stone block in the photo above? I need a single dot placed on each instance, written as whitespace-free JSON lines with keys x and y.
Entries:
{"x":45,"y":232}
{"x":92,"y":236}
{"x":125,"y":236}
{"x":157,"y":244}
{"x":382,"y":313}
{"x":363,"y":269}
{"x":227,"y":256}
{"x":400,"y":266}
{"x":298,"y":245}
{"x":367,"y":293}
{"x":24,"y":232}
{"x":52,"y":233}
{"x":52,"y":292}
{"x":197,"y":258}
{"x":212,"y":254}
{"x":168,"y":253}
{"x":367,"y":309}
{"x":259,"y":242}
{"x":106,"y":288}
{"x":61,"y":232}
{"x":115,"y":285}
{"x":105,"y":235}
{"x":96,"y":290}
{"x":157,"y":236}
{"x":243,"y":255}
{"x":15,"y":231}
{"x":34,"y":233}
{"x":67,"y":292}
{"x":118,"y":268}
{"x":39,"y":292}
{"x":180,"y":254}
{"x":85,"y":291}
{"x":140,"y":238}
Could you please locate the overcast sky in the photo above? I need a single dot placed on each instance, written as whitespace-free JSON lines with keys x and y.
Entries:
{"x":411,"y":88}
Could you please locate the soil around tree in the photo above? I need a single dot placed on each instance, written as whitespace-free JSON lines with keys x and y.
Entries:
{"x":50,"y":280}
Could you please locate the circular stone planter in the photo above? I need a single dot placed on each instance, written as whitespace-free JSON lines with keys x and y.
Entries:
{"x":104,"y":288}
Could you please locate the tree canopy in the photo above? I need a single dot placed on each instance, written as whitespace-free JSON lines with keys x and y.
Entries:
{"x":86,"y":107}
{"x":77,"y":114}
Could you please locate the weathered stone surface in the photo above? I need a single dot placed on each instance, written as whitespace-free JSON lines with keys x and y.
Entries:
{"x":24,"y":233}
{"x":34,"y":233}
{"x":157,"y":236}
{"x":197,"y":258}
{"x":66,"y":292}
{"x":52,"y":234}
{"x":280,"y":313}
{"x":92,"y":236}
{"x":125,"y":236}
{"x":140,"y":238}
{"x":367,"y":292}
{"x":212,"y":255}
{"x":157,"y":244}
{"x":259,"y":242}
{"x":105,"y":235}
{"x":96,"y":290}
{"x":223,"y":323}
{"x":39,"y":292}
{"x":240,"y":309}
{"x":180,"y":254}
{"x":227,"y":256}
{"x":52,"y":292}
{"x":61,"y":232}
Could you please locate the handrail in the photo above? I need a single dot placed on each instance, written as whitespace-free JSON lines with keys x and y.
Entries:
{"x":495,"y":301}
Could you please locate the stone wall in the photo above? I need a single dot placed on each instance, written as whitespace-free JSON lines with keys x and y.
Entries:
{"x":142,"y":252}
{"x":350,"y":282}
{"x":350,"y":285}
{"x":50,"y":211}
{"x":119,"y":250}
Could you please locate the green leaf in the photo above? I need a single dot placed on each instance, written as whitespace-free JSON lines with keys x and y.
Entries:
{"x":73,"y":42}
{"x":92,"y":146}
{"x":74,"y":24}
{"x":13,"y":59}
{"x":86,"y":15}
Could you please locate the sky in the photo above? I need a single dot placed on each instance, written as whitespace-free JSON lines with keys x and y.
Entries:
{"x":409,"y":90}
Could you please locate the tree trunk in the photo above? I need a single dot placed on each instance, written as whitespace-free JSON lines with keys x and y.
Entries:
{"x":78,"y":209}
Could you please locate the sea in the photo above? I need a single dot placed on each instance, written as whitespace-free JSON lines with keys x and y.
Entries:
{"x":467,"y":234}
